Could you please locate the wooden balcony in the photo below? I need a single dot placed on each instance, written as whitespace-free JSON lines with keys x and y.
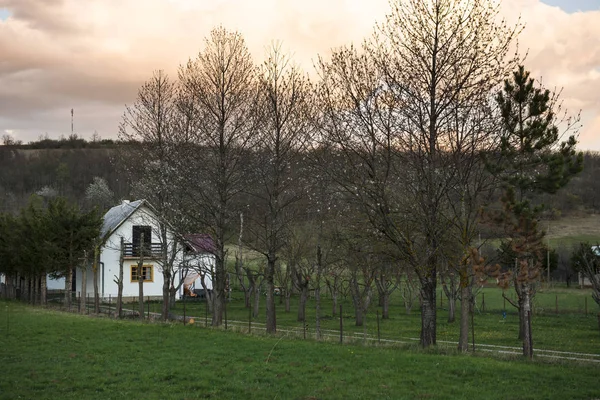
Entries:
{"x":150,"y":250}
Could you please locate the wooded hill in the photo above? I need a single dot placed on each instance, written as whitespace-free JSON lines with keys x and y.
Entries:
{"x":69,"y":167}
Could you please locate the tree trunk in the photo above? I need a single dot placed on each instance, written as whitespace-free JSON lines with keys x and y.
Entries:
{"x":334,"y":301}
{"x":302,"y":303}
{"x":172,"y":300}
{"x":247,"y":297}
{"x":451,"y":309}
{"x":428,"y":311}
{"x":527,"y":339}
{"x":119,"y":307}
{"x":43,"y":289}
{"x":451,"y":291}
{"x":141,"y":292}
{"x":166,"y":295}
{"x":83,"y":297}
{"x":95,"y":278}
{"x":318,"y":293}
{"x":357,"y":301}
{"x":68,"y":287}
{"x":465,"y":295}
{"x":24,"y":285}
{"x":32,"y":291}
{"x":385,"y":300}
{"x":140,"y":271}
{"x":520,"y":302}
{"x":10,"y":287}
{"x":219,"y":284}
{"x":256,"y":292}
{"x":288,"y":295}
{"x":270,"y":305}
{"x":26,"y":292}
{"x":218,"y":300}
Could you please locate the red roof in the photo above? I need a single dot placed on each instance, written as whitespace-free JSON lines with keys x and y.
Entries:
{"x":201,"y":242}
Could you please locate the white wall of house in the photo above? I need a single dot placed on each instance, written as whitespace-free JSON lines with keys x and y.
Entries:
{"x":110,"y":254}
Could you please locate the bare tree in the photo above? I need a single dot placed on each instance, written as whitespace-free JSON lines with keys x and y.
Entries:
{"x":219,"y":99}
{"x":283,"y":133}
{"x":153,"y":126}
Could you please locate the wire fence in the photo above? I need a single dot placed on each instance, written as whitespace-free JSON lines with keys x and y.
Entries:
{"x":490,"y":304}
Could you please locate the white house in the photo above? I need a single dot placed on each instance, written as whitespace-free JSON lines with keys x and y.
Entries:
{"x":131,"y":221}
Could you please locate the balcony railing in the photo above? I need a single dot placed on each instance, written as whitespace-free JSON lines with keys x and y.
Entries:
{"x":150,"y":250}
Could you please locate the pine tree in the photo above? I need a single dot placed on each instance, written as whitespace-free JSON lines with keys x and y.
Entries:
{"x":532,"y":160}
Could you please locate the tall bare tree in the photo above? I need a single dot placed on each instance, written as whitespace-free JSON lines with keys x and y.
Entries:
{"x":220,"y":94}
{"x":442,"y":57}
{"x":153,"y":126}
{"x":284,"y":97}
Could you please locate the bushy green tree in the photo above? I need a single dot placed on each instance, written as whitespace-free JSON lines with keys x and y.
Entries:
{"x":71,"y":233}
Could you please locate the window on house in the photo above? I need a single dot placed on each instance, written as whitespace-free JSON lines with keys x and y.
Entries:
{"x":137,"y":232}
{"x":147,"y":273}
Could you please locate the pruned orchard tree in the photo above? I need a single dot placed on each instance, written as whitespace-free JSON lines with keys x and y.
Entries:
{"x":220,"y":95}
{"x":284,"y":99}
{"x":154,"y":123}
{"x":532,"y":160}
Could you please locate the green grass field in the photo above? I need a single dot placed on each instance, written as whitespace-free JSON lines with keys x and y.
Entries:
{"x":571,"y":329}
{"x":51,"y":355}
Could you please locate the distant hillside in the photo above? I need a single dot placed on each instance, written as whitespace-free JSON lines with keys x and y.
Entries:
{"x":69,"y":171}
{"x":69,"y":166}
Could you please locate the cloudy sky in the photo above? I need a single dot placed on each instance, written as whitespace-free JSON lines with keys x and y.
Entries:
{"x":92,"y":55}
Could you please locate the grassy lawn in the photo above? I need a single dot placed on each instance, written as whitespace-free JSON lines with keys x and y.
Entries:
{"x":51,"y":355}
{"x":568,"y":330}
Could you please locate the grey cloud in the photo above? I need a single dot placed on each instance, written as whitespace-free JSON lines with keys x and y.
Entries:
{"x":43,"y":15}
